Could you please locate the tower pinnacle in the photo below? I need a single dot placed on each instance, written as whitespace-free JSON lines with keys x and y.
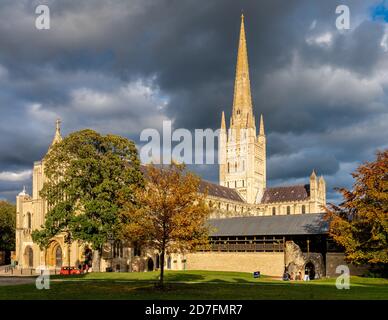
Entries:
{"x":223,"y":123}
{"x":57,"y":136}
{"x":261,"y":132}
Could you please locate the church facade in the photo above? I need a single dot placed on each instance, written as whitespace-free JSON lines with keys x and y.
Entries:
{"x":242,"y":192}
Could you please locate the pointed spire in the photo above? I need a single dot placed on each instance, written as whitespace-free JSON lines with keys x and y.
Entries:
{"x":23,"y":193}
{"x":261,"y":132}
{"x":57,"y":137}
{"x":313,"y":175}
{"x":223,"y":123}
{"x":242,"y":100}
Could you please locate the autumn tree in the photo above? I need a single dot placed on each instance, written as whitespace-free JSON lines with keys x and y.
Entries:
{"x":360,"y":223}
{"x":170,"y":213}
{"x":86,"y":175}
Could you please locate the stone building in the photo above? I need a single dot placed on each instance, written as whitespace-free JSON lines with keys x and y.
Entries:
{"x":242,"y":193}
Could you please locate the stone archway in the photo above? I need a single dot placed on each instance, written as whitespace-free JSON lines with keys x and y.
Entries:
{"x":150,"y":264}
{"x":29,"y":257}
{"x":309,"y":269}
{"x":55,"y":256}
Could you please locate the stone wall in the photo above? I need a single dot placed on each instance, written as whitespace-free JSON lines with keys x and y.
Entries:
{"x":335,"y":259}
{"x":268,"y":263}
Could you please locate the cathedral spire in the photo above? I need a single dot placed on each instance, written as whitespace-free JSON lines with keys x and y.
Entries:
{"x":242,"y":100}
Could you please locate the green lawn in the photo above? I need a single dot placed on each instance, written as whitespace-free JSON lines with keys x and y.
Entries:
{"x":194,"y":285}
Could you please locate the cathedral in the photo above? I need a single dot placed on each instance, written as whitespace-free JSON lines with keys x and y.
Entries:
{"x":243,"y":160}
{"x":256,"y":227}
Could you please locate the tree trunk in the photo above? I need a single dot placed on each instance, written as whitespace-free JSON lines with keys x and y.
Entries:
{"x":68,"y":253}
{"x":100,"y":259}
{"x":96,"y":261}
{"x":161,"y":283}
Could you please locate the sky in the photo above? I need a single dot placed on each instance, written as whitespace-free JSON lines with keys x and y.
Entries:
{"x":120,"y":66}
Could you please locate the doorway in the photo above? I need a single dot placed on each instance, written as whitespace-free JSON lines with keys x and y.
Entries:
{"x":29,"y":257}
{"x":150,"y":264}
{"x":310,"y":270}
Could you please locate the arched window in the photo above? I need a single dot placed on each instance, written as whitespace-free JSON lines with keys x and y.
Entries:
{"x":235,"y":166}
{"x":58,"y":256}
{"x":118,"y":249}
{"x":228,"y":167}
{"x":288,"y":210}
{"x":243,"y":165}
{"x":273,"y":211}
{"x":303,"y":209}
{"x":227,"y":207}
{"x":29,"y":222}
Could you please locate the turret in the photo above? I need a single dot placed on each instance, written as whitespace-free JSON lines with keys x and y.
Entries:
{"x":313,"y":186}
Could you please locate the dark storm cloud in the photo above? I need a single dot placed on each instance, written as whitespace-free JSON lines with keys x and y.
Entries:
{"x":122,"y":66}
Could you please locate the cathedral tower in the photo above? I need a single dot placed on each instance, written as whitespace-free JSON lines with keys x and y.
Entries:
{"x":242,"y":151}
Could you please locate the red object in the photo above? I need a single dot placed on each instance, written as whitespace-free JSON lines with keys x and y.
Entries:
{"x":69,"y":271}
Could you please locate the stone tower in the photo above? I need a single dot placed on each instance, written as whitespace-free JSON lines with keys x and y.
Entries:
{"x":242,"y":151}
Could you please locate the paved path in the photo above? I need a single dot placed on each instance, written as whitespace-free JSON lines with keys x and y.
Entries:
{"x":12,"y":281}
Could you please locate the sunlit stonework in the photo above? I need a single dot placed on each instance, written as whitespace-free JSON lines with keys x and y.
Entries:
{"x":242,"y":191}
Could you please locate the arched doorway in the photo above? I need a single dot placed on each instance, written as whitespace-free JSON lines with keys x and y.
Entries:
{"x":54,"y":252}
{"x":310,"y":270}
{"x":157,"y":263}
{"x":29,"y":257}
{"x":150,"y":264}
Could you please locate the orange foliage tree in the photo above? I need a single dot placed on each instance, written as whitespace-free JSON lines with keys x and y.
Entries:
{"x":169,"y":214}
{"x":360,"y":223}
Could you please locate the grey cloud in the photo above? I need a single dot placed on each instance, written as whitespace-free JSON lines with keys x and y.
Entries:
{"x":332,"y":101}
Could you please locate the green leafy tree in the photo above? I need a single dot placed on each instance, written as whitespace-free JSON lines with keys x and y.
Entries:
{"x":88,"y":177}
{"x":169,"y":214}
{"x":360,"y":223}
{"x":7,"y":226}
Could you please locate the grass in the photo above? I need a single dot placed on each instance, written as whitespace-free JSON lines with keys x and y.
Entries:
{"x":195,"y":285}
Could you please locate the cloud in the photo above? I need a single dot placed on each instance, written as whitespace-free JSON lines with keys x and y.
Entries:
{"x":122,"y":66}
{"x":15,"y":176}
{"x":324,"y":39}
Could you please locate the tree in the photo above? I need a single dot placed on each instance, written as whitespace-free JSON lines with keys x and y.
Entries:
{"x":87,"y":174}
{"x":7,"y":226}
{"x":170,"y":213}
{"x":360,"y":223}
